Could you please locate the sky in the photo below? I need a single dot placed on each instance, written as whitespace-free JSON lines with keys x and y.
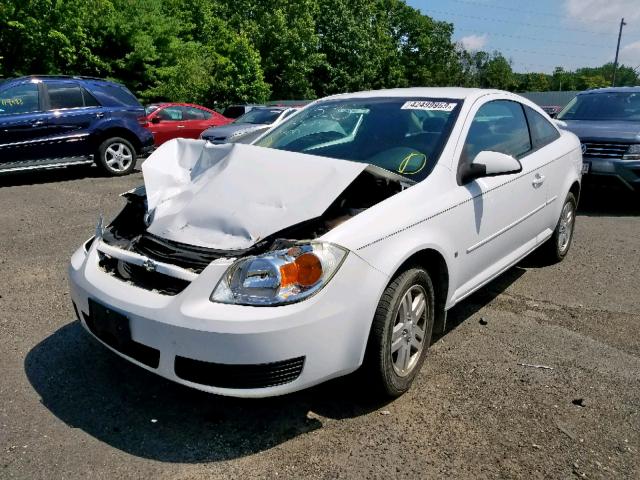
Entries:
{"x":538,"y":35}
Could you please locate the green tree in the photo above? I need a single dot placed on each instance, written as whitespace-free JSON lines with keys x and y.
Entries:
{"x":427,"y":57}
{"x":496,"y":73}
{"x":52,"y":37}
{"x":533,"y":82}
{"x":585,"y":81}
{"x":345,"y":31}
{"x":184,"y":52}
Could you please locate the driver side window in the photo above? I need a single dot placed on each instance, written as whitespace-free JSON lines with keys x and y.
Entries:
{"x":171,"y":114}
{"x":499,"y":126}
{"x":19,"y":99}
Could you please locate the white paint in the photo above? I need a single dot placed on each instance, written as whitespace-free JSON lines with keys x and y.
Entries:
{"x":481,"y":229}
{"x":231,"y":196}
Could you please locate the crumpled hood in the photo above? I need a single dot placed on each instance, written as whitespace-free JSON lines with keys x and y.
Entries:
{"x":225,"y":131}
{"x":604,"y":130}
{"x":231,"y":196}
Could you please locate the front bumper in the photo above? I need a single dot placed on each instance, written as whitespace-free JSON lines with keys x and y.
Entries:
{"x":147,"y":143}
{"x":210,"y":346}
{"x":625,"y":171}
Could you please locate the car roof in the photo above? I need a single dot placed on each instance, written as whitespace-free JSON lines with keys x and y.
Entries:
{"x":60,"y":77}
{"x":267,"y":107}
{"x":612,"y":90}
{"x":177,"y":104}
{"x":457,"y":93}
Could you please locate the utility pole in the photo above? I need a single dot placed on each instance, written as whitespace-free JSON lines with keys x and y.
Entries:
{"x":615,"y":63}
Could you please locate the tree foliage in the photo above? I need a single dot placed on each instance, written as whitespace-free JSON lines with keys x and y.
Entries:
{"x":221,"y":51}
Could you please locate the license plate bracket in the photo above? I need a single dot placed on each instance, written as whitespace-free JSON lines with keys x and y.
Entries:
{"x":109,"y":326}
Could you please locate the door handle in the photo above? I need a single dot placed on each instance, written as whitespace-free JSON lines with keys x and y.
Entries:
{"x":538,"y":180}
{"x":100,"y":115}
{"x":37,"y":123}
{"x":180,"y":126}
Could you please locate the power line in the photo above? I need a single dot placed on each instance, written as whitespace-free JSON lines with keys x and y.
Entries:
{"x":546,"y":40}
{"x":546,"y":65}
{"x":546,"y":53}
{"x":511,"y":22}
{"x":510,"y":9}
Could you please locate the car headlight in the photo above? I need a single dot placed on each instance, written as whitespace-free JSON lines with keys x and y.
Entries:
{"x":632,"y":153}
{"x":281,"y":276}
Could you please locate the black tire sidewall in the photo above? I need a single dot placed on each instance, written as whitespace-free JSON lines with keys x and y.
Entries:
{"x":556,"y":233}
{"x":389,"y":381}
{"x":102,"y":164}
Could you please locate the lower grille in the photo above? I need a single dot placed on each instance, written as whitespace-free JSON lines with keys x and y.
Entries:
{"x":605,"y":150}
{"x":223,"y":375}
{"x":142,"y":353}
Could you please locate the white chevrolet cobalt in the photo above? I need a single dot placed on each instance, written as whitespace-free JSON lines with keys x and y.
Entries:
{"x":338,"y":240}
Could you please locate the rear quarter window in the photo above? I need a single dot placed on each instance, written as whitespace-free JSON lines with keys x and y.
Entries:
{"x":115,"y":95}
{"x":542,"y":131}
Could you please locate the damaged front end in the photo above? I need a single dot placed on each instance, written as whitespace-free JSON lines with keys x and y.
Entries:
{"x":130,"y":232}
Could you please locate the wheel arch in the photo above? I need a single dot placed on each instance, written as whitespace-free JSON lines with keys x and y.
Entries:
{"x":117,"y":131}
{"x":435,"y":263}
{"x":575,"y":189}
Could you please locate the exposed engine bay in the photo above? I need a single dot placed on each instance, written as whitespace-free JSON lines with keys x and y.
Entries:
{"x":201,"y":203}
{"x":129,"y":229}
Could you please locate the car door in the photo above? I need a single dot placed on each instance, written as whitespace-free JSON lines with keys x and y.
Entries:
{"x":167,"y":123}
{"x":196,"y":121}
{"x":22,"y":122}
{"x":503,"y":214}
{"x":553,"y":169}
{"x":71,"y":110}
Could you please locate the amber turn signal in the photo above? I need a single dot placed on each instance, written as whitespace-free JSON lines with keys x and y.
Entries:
{"x":305,"y":271}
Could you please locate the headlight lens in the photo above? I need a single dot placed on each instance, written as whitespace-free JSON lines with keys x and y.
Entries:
{"x":632,"y":153}
{"x":280,"y":277}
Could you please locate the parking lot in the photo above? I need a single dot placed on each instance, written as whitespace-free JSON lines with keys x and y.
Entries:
{"x":481,"y":406}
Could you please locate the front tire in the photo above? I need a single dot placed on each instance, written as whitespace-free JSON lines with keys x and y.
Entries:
{"x":557,"y":247}
{"x":116,"y":157}
{"x":401,"y":333}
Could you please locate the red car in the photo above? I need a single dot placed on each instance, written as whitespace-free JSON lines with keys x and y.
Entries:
{"x":180,"y":120}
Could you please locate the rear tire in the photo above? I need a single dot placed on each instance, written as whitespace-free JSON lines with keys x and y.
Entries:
{"x":556,"y":248}
{"x":116,"y":157}
{"x":401,"y":333}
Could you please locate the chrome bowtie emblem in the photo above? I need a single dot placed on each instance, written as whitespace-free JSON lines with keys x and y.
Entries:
{"x":148,"y":218}
{"x":149,"y":265}
{"x":583,"y":147}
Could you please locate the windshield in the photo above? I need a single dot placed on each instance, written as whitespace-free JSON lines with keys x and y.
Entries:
{"x":402,"y":135}
{"x":149,"y":109}
{"x":259,"y":116}
{"x":624,"y":106}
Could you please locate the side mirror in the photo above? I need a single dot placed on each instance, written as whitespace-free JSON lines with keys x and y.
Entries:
{"x":488,"y":164}
{"x":156,"y":119}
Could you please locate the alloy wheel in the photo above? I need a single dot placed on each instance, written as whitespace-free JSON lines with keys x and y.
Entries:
{"x":409,"y":330}
{"x":565,"y":227}
{"x":118,"y":157}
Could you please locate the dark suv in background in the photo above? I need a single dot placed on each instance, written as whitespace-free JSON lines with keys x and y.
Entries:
{"x":607,"y":121}
{"x":54,"y":121}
